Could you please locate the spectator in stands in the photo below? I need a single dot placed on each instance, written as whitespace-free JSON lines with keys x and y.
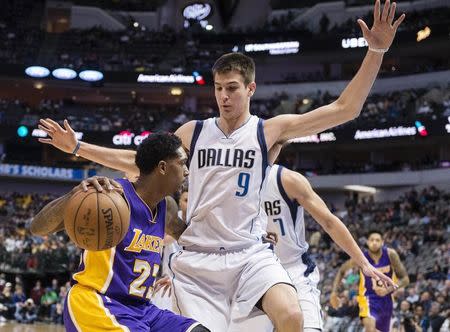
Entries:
{"x":413,"y":297}
{"x":26,"y":312}
{"x":49,"y":298}
{"x":437,"y":273}
{"x":436,"y":317}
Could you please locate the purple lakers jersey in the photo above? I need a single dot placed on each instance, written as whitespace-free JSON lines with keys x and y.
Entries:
{"x":127,"y":272}
{"x":370,"y":304}
{"x":367,"y":285}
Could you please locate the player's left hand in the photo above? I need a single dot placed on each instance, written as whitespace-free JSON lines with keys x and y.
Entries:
{"x":370,"y":271}
{"x":382,"y":33}
{"x":164,"y":283}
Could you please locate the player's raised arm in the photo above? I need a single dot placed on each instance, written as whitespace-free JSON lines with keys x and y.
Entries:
{"x":349,"y":104}
{"x":65,"y":140}
{"x":174,"y":225}
{"x":298,"y":188}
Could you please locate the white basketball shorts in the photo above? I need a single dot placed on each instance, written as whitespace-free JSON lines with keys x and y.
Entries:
{"x":308,"y":297}
{"x":207,"y":285}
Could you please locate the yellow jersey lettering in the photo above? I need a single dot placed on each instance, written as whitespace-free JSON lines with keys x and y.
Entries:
{"x":144,"y":242}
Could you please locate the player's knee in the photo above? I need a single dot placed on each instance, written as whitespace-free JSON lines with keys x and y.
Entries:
{"x":200,"y":328}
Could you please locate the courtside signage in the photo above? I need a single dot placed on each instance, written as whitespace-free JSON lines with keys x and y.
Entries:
{"x":195,"y":78}
{"x":354,"y":42}
{"x":383,"y":133}
{"x":320,"y":138}
{"x":42,"y":172}
{"x":288,"y":47}
{"x":126,"y":137}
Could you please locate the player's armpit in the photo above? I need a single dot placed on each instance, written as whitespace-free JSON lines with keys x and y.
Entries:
{"x":185,"y":133}
{"x":399,"y":268}
{"x":50,"y":219}
{"x":175,"y":226}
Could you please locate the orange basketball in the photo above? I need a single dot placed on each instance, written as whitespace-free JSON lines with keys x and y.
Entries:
{"x":97,"y":220}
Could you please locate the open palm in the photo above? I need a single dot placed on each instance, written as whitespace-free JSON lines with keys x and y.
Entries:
{"x":382,"y":33}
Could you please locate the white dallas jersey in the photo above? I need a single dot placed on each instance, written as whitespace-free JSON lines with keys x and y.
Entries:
{"x":284,"y":217}
{"x":225,"y":180}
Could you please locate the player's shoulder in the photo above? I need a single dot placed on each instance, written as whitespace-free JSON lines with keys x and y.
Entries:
{"x":392,"y":252}
{"x":290,"y":177}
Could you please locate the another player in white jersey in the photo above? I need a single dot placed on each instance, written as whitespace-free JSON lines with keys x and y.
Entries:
{"x":285,"y":196}
{"x":224,"y":261}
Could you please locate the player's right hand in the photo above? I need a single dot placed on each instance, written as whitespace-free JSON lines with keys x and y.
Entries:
{"x":334,"y":300}
{"x":61,"y":138}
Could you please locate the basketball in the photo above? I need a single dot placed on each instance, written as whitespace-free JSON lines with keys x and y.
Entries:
{"x":96,"y":220}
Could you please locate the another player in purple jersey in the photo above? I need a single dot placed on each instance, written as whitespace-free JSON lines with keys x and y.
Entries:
{"x":113,"y":288}
{"x":374,"y":299}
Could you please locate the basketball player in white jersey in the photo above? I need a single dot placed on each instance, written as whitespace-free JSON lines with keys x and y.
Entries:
{"x":224,"y":261}
{"x":285,"y":194}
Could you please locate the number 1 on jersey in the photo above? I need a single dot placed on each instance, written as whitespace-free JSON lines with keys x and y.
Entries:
{"x":281,"y":225}
{"x":243,"y":182}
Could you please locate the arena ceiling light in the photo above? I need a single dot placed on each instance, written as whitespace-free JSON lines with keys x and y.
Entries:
{"x":423,"y":34}
{"x":176,"y":91}
{"x":197,"y":11}
{"x":64,"y":74}
{"x":91,"y":75}
{"x":361,"y":189}
{"x":37,"y":71}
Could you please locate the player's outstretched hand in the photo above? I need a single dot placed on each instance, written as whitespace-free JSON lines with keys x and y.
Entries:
{"x":61,"y":138}
{"x":164,"y":283}
{"x":100,"y":183}
{"x":373,"y":273}
{"x":382,"y":33}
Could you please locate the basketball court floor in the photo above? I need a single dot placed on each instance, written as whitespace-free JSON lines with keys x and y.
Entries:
{"x":38,"y":327}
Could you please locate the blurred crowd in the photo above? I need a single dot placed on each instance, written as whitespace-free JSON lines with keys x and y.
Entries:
{"x":139,"y":49}
{"x":24,"y":258}
{"x":19,"y":251}
{"x":393,"y":107}
{"x":40,"y":303}
{"x":416,"y":225}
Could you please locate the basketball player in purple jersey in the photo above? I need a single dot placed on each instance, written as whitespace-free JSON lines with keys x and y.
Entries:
{"x":229,"y":156}
{"x":374,"y":299}
{"x":112,"y":288}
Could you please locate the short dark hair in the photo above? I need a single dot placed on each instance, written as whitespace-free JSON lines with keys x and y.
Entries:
{"x":153,"y":149}
{"x":239,"y":62}
{"x":374,"y":231}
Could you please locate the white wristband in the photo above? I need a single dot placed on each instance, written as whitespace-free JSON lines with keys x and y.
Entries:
{"x":378,"y":50}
